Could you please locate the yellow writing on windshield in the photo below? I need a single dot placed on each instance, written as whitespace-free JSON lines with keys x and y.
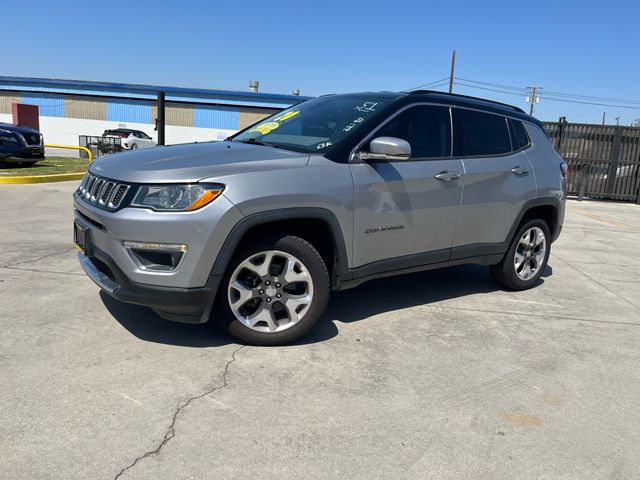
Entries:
{"x":274,"y":123}
{"x":286,"y":116}
{"x":266,"y":128}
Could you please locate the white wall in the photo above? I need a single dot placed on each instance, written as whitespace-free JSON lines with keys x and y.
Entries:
{"x":65,"y":131}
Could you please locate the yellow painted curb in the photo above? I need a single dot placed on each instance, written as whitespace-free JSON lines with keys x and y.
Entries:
{"x":56,"y":177}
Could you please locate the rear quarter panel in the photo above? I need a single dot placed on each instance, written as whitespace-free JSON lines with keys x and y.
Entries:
{"x":546,"y":166}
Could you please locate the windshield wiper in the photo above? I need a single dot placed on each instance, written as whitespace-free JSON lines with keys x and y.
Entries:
{"x":253,"y":141}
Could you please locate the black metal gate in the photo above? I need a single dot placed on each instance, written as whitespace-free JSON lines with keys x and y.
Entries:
{"x":604,"y":160}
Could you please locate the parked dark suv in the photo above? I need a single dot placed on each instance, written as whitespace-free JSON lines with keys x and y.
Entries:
{"x":20,"y":145}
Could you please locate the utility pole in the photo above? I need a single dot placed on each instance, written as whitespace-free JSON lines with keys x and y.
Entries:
{"x":160,"y":120}
{"x":453,"y":66}
{"x":617,"y":121}
{"x":603,"y":117}
{"x":532,"y":97}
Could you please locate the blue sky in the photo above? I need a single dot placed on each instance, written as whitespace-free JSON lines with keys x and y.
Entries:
{"x":577,"y":47}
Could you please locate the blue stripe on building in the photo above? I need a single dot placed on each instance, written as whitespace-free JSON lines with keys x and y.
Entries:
{"x":48,"y":105}
{"x":128,"y":111}
{"x":119,"y":90}
{"x":215,"y":117}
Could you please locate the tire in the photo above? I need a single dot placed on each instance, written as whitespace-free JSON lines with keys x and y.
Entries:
{"x":28,"y":164}
{"x":134,"y":146}
{"x":513,"y":275}
{"x":273,"y":292}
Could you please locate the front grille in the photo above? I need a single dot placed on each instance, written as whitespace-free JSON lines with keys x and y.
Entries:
{"x":103,"y":267}
{"x":102,"y":191}
{"x":32,"y":138}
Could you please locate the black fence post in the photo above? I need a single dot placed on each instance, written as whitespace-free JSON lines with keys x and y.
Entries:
{"x":561,"y":123}
{"x":584,"y":169}
{"x":615,"y":157}
{"x":160,"y":120}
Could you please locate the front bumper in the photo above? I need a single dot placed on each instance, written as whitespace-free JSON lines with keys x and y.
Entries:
{"x":30,"y":153}
{"x":187,"y":305}
{"x":184,"y":294}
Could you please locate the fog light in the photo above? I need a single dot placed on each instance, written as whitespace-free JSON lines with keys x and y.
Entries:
{"x":156,"y":256}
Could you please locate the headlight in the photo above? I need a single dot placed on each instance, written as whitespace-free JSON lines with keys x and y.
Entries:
{"x":24,"y":141}
{"x":176,"y":197}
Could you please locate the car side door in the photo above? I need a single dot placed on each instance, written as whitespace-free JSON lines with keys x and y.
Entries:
{"x":499,"y":180}
{"x":408,"y":208}
{"x":144,"y":140}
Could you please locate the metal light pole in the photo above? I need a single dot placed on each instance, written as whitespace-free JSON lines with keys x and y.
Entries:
{"x":160,"y":123}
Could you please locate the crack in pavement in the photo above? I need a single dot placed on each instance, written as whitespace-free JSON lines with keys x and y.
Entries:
{"x":171,"y":431}
{"x":9,"y":265}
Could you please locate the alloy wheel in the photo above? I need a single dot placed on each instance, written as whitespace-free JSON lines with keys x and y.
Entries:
{"x":270,"y":291}
{"x":530,"y":253}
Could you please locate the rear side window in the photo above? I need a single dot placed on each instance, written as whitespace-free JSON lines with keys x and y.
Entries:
{"x":426,"y":128}
{"x":478,"y":133}
{"x":519,"y":137}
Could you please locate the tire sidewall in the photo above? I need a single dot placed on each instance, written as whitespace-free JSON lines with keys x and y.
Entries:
{"x":510,"y":271}
{"x":321,"y":289}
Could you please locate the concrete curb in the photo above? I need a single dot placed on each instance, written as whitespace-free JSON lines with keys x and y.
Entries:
{"x":56,"y":177}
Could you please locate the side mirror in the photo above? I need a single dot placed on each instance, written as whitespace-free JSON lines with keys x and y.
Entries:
{"x":387,"y":148}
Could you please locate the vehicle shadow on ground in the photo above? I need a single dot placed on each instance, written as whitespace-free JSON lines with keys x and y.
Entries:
{"x":424,"y":288}
{"x":146,"y":325}
{"x":369,"y":299}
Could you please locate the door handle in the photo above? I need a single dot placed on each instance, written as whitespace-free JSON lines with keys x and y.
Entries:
{"x":447,"y":176}
{"x":520,"y":170}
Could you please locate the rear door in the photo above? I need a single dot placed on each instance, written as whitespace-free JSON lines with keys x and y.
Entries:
{"x":401,"y":208}
{"x":498,"y":180}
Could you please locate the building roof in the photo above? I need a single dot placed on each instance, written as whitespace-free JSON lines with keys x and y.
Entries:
{"x":137,"y":91}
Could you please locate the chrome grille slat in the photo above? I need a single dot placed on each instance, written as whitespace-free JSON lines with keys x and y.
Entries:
{"x":104,"y":196}
{"x":97,"y":187}
{"x":92,"y":181}
{"x":119,"y":193}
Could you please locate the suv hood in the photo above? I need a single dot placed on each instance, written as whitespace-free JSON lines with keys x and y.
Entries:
{"x":17,"y":128}
{"x":193,"y":162}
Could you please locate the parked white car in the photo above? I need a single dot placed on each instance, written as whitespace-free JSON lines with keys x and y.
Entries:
{"x":131,"y":139}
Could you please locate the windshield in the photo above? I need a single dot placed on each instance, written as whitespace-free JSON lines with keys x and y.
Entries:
{"x":315,"y":125}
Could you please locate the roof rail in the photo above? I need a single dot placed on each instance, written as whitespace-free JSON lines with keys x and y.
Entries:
{"x":512,"y":107}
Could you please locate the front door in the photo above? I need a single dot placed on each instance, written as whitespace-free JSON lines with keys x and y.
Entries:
{"x":401,"y":208}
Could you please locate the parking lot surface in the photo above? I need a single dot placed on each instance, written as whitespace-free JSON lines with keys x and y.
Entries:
{"x":433,"y":375}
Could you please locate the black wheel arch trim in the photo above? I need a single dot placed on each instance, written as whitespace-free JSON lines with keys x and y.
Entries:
{"x":295,"y":213}
{"x":539,"y":202}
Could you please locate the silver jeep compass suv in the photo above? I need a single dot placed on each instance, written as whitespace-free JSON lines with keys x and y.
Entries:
{"x":255,"y":231}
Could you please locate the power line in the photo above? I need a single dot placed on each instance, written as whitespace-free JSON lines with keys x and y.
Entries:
{"x":550,"y":96}
{"x":428,"y":84}
{"x":509,"y":87}
{"x":592,"y":103}
{"x":553,"y":93}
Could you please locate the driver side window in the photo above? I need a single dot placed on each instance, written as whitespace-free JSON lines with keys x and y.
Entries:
{"x":426,"y":128}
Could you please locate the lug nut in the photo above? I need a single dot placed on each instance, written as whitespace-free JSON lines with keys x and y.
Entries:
{"x":267,"y":282}
{"x":278,"y":285}
{"x":268,"y":299}
{"x":278,"y":295}
{"x":261,"y":292}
